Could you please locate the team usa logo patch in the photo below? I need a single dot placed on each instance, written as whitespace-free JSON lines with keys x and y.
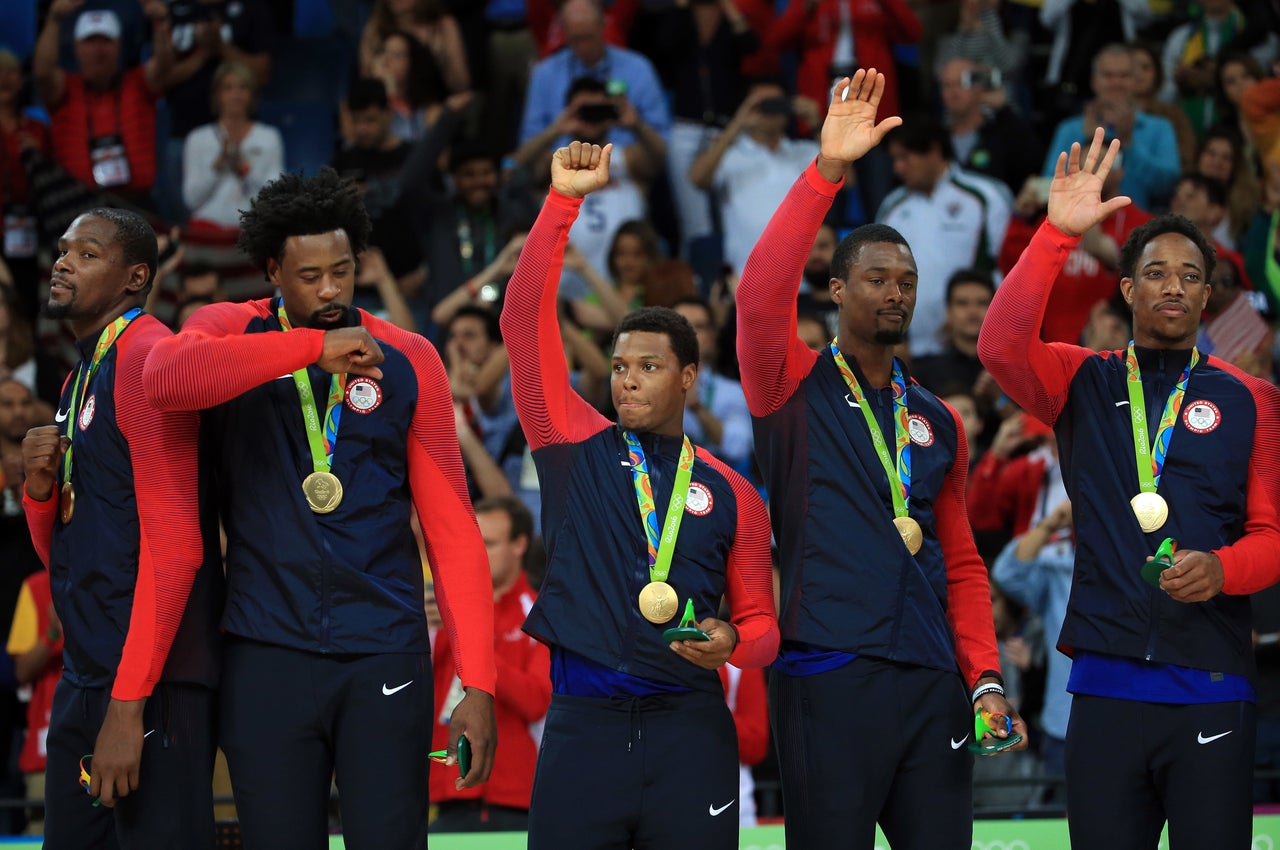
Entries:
{"x":1201,"y":416}
{"x":86,"y":413}
{"x":364,"y":395}
{"x":699,"y":502}
{"x":920,"y":430}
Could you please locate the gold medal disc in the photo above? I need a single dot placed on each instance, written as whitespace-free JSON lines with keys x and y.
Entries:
{"x":658,"y":602}
{"x":66,"y":502}
{"x":912,"y":537}
{"x":323,"y":491}
{"x":1151,"y":510}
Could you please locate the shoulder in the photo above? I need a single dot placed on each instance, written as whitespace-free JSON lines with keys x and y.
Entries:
{"x":142,"y":333}
{"x":729,"y":480}
{"x":892,"y":201}
{"x":419,"y":351}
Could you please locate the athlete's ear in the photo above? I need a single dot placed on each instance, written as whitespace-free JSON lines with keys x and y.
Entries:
{"x":1126,"y":289}
{"x":836,"y":287}
{"x":688,"y":375}
{"x":273,"y":270}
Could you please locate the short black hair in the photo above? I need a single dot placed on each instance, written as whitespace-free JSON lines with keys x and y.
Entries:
{"x":1158,"y":226}
{"x":663,"y":320}
{"x":1213,"y":188}
{"x":199,"y":268}
{"x":696,"y":301}
{"x":471,"y":150}
{"x":492,"y":327}
{"x":846,"y":253}
{"x":136,"y":238}
{"x":521,"y":519}
{"x":920,"y":133}
{"x":366,"y":92}
{"x":969,"y":276}
{"x":581,"y":84}
{"x":294,"y":205}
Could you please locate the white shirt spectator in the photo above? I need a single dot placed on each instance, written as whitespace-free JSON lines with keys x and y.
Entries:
{"x":218,"y":196}
{"x":726,"y":401}
{"x":960,"y":225}
{"x":751,"y":180}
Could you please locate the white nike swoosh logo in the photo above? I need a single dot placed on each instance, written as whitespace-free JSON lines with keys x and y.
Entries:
{"x":148,"y":733}
{"x":1121,"y":403}
{"x":955,"y":745}
{"x":713,"y":811}
{"x":60,"y":416}
{"x":1201,"y":739}
{"x":848,"y":399}
{"x":389,"y":691}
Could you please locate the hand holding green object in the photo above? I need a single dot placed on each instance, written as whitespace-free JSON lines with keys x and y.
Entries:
{"x":464,"y":756}
{"x":985,"y":724}
{"x":686,"y":630}
{"x":1161,"y":561}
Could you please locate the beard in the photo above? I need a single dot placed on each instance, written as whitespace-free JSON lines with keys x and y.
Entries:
{"x":890,"y":337}
{"x":820,"y":280}
{"x":330,"y":316}
{"x":51,"y":310}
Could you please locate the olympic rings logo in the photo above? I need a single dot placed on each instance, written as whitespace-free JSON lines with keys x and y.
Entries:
{"x":1262,"y":842}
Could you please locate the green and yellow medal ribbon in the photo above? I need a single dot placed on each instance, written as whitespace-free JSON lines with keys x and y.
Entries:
{"x":84,"y":375}
{"x":1150,"y":458}
{"x":897,"y":469}
{"x":661,"y":547}
{"x":321,"y":438}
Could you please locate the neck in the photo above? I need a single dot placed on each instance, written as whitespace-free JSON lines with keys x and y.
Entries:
{"x":966,"y":122}
{"x":874,"y":359}
{"x":88,"y":327}
{"x":234,"y":122}
{"x":964,"y":345}
{"x":768,"y":138}
{"x":1143,"y":338}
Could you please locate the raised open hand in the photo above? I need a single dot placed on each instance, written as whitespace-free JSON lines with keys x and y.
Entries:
{"x":1075,"y":196}
{"x":579,"y":169}
{"x":851,"y":129}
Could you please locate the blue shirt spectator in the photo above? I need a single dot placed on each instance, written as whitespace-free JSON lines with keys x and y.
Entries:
{"x":587,"y":55}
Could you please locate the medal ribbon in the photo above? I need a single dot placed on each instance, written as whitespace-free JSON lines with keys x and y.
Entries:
{"x":85,"y":373}
{"x":660,"y":550}
{"x":899,"y":472}
{"x":321,"y":439}
{"x":1149,"y":472}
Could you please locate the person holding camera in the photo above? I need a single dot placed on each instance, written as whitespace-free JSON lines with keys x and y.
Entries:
{"x":988,"y":136}
{"x":753,"y":163}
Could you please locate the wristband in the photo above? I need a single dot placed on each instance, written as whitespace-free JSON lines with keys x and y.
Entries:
{"x":988,"y":688}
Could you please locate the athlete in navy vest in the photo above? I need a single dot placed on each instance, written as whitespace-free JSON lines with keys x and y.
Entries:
{"x":113,"y":506}
{"x":639,"y":748}
{"x":888,"y":646}
{"x":325,"y":427}
{"x":1162,"y":718}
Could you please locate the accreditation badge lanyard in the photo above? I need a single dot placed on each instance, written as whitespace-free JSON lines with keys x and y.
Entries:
{"x":658,"y":598}
{"x":1150,"y":459}
{"x":321,"y":438}
{"x":84,"y":374}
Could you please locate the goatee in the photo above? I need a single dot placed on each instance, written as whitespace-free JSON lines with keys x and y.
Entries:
{"x":890,"y":337}
{"x":330,"y":316}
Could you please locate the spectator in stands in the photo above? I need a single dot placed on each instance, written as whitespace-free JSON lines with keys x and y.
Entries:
{"x":1262,"y":243}
{"x":1034,"y":569}
{"x":1081,"y":29}
{"x":812,"y":331}
{"x":20,"y":357}
{"x":1151,"y":164}
{"x":1191,"y":54}
{"x":201,"y":280}
{"x":751,"y":165}
{"x":715,"y":408}
{"x":391,"y":174}
{"x":1203,"y":200}
{"x":428,"y":23}
{"x":484,"y":288}
{"x":633,"y":256}
{"x":1148,"y":79}
{"x":207,"y":34}
{"x":956,"y":217}
{"x":225,"y":163}
{"x":1221,"y":156}
{"x":814,"y":298}
{"x":987,"y":135}
{"x":1232,"y":326}
{"x":592,"y":116}
{"x":414,"y":88}
{"x":464,"y":224}
{"x":701,"y":50}
{"x":980,"y":38}
{"x":968,"y":295}
{"x":625,"y":74}
{"x":1256,"y":98}
{"x":35,"y":645}
{"x":523,"y":693}
{"x":17,"y":131}
{"x":103,"y":120}
{"x":834,"y":38}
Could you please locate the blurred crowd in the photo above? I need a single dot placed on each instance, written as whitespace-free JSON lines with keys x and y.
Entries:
{"x":445,"y":114}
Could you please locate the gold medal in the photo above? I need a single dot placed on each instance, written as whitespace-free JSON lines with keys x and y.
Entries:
{"x":323,"y":491}
{"x":1151,"y":510}
{"x":912,"y":537}
{"x":658,"y":602}
{"x":66,"y":502}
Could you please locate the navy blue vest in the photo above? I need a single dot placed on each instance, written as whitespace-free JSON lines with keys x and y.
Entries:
{"x":597,"y":556}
